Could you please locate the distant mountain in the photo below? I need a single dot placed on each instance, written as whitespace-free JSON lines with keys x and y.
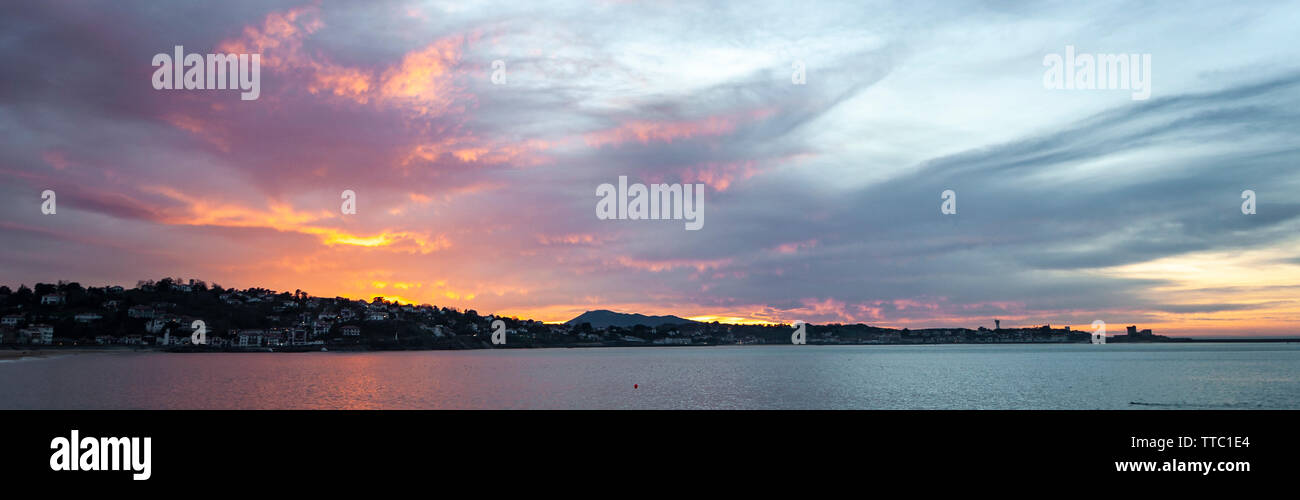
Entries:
{"x":603,"y":318}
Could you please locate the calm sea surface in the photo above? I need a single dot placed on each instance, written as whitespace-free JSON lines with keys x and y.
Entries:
{"x":1078,"y":376}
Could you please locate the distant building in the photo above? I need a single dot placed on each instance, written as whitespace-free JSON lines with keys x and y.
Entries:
{"x":1135,"y":333}
{"x":145,"y":312}
{"x":156,"y":325}
{"x":52,"y":299}
{"x":350,"y":331}
{"x":249,"y":338}
{"x":176,"y":339}
{"x":40,"y":334}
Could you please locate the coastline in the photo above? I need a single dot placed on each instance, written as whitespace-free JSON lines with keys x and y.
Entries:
{"x":29,"y":353}
{"x":15,"y":353}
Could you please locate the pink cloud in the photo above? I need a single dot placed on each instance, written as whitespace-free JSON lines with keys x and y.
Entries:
{"x":645,"y":131}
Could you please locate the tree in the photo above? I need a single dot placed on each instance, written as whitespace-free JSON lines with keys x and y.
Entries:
{"x":43,"y":289}
{"x":24,"y":295}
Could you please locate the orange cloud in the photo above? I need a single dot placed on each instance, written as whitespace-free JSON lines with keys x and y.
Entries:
{"x":790,"y":248}
{"x":656,"y":266}
{"x":568,"y":239}
{"x":467,"y":149}
{"x":648,"y":131}
{"x":351,"y":83}
{"x":278,"y":39}
{"x":422,"y":82}
{"x":719,"y":176}
{"x":282,"y":217}
{"x":645,"y":131}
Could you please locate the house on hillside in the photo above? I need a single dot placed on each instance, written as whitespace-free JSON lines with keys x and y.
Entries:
{"x":249,"y":338}
{"x":40,"y":334}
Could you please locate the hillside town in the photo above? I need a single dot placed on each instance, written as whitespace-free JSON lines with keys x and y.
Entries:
{"x":163,"y":314}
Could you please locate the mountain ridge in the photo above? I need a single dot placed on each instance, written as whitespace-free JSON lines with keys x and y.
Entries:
{"x":604,"y":318}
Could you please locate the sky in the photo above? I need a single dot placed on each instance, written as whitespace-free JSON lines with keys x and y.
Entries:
{"x":822,"y":199}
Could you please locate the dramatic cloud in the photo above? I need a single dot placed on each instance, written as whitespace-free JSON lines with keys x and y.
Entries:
{"x":824,"y":135}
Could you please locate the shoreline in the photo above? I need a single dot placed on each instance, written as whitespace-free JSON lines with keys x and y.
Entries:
{"x":14,"y":353}
{"x":30,"y":353}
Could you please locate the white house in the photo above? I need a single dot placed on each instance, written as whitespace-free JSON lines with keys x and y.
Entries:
{"x":52,"y":299}
{"x":250,"y":338}
{"x":436,"y":330}
{"x":140,"y":312}
{"x":273,"y":338}
{"x":41,"y":334}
